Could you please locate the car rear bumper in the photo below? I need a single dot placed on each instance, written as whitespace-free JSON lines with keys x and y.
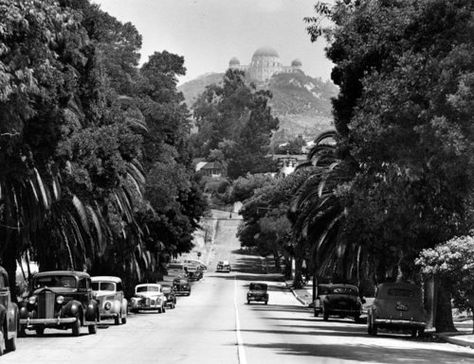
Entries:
{"x":409,"y":324}
{"x":257,"y":298}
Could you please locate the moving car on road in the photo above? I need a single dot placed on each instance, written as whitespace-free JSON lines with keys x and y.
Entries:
{"x":223,"y":266}
{"x":338,"y":299}
{"x":181,"y":286}
{"x":397,"y":306}
{"x":148,"y":296}
{"x":257,"y":292}
{"x":60,"y":300}
{"x":108,"y":291}
{"x":8,"y":316}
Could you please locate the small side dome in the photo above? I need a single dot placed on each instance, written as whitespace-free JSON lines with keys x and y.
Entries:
{"x":234,"y":62}
{"x":296,"y":63}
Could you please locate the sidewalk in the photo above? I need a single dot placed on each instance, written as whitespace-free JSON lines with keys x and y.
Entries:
{"x":463,"y":336}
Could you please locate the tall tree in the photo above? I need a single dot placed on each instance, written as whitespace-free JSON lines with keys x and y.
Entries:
{"x":404,"y":68}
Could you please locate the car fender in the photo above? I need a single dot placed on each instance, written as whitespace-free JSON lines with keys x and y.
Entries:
{"x":72,"y":308}
{"x":92,"y":310}
{"x":124,"y":305}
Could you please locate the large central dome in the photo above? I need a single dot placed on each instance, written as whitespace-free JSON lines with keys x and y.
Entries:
{"x":265,"y":52}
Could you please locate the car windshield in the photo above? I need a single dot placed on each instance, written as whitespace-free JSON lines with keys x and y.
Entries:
{"x":148,"y":289}
{"x":344,"y":290}
{"x":258,"y":287}
{"x":55,"y":281}
{"x":400,"y":292}
{"x":180,"y":281}
{"x":103,"y":286}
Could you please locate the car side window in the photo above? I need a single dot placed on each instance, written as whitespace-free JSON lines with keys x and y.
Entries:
{"x":119,"y":286}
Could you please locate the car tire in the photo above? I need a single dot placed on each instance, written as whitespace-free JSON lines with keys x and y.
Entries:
{"x":266,"y":302}
{"x":92,"y":329}
{"x":357,"y":319}
{"x":413,"y":333}
{"x":76,"y":327}
{"x":10,"y":345}
{"x":40,"y":331}
{"x":163,"y":309}
{"x":371,"y":327}
{"x":316,"y":313}
{"x":118,"y":319}
{"x":325,"y":314}
{"x":124,"y":318}
{"x":421,"y":332}
{"x":21,"y":330}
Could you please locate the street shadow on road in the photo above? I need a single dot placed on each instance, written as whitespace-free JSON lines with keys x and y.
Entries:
{"x":281,"y":308}
{"x":366,"y":353}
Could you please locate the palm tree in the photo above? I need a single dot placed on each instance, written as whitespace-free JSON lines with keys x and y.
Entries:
{"x":319,"y":210}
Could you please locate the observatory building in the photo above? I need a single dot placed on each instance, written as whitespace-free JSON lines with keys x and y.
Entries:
{"x":264,"y":64}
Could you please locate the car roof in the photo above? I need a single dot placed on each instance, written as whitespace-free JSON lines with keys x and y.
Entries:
{"x":106,"y":279}
{"x":72,"y":273}
{"x":338,"y":285}
{"x":148,"y":285}
{"x":407,"y":285}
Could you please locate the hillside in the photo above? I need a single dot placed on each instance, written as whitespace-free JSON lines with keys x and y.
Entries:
{"x":302,"y":103}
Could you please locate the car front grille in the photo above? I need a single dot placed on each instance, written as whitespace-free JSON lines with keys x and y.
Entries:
{"x":46,"y":304}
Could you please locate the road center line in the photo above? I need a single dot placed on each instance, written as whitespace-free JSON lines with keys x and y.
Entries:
{"x":240,"y":343}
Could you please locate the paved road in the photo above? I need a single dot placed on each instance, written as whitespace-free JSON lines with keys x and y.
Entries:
{"x":215,"y":325}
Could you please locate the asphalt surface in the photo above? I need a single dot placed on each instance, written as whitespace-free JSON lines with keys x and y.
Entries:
{"x":216,"y":325}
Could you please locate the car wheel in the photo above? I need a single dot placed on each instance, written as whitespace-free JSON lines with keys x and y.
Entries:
{"x":163,"y":309}
{"x":414,"y":332}
{"x":357,"y":319}
{"x":266,"y":302}
{"x":21,"y":330}
{"x":421,"y":332}
{"x":76,"y":327}
{"x":40,"y":331}
{"x":10,"y":345}
{"x":316,"y":313}
{"x":124,"y":318}
{"x":117,"y":319}
{"x":92,"y":329}
{"x":325,"y":314}
{"x":371,"y":327}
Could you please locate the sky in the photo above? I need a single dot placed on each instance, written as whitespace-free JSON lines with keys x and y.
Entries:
{"x":208,"y":33}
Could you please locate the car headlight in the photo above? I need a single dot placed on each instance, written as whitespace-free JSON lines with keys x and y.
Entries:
{"x":32,"y":300}
{"x":108,"y":305}
{"x":60,"y":300}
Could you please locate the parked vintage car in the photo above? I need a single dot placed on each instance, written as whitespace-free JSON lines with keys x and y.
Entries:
{"x":181,"y":286}
{"x":108,"y":291}
{"x":60,"y":300}
{"x":195,"y":262}
{"x":257,"y":292}
{"x":397,"y":306}
{"x":170,"y":295}
{"x":8,"y":316}
{"x":148,"y":296}
{"x":193,"y":273}
{"x":223,"y":266}
{"x":338,"y":299}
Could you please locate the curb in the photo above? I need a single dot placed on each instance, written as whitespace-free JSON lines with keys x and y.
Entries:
{"x":455,"y":340}
{"x":300,"y":300}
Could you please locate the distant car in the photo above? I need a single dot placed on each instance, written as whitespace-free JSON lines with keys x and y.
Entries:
{"x":223,"y":266}
{"x":148,"y":296}
{"x":108,"y":291}
{"x":60,"y":300}
{"x":170,"y":295}
{"x":397,"y":306}
{"x":176,"y":268}
{"x":257,"y":292}
{"x":8,"y":316}
{"x":193,"y":273}
{"x":181,"y":286}
{"x":197,"y":263}
{"x":338,"y":299}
